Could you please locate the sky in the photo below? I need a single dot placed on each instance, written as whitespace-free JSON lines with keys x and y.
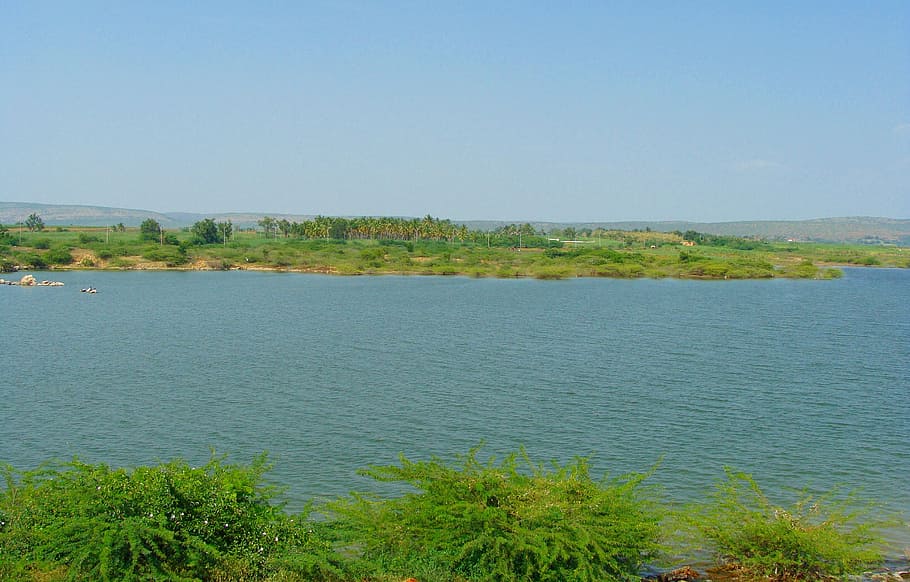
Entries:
{"x":563,"y":111}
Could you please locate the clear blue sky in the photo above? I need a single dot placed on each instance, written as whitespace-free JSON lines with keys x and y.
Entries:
{"x":518,"y":110}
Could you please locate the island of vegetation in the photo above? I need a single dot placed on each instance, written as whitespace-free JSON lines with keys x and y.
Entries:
{"x":428,"y":246}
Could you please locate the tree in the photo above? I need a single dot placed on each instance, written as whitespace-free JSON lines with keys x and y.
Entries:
{"x":225,"y":230}
{"x":149,"y":229}
{"x":205,"y":232}
{"x":34,"y":222}
{"x":268,"y":225}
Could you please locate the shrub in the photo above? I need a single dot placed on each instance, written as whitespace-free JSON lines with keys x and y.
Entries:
{"x":805,"y":270}
{"x":514,"y":520}
{"x":33,"y":260}
{"x":167,"y":522}
{"x":58,"y":256}
{"x":85,"y":238}
{"x":42,"y":244}
{"x":816,"y":537}
{"x":170,"y":255}
{"x":552,"y":273}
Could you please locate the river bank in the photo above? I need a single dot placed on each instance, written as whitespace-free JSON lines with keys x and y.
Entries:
{"x":617,"y":255}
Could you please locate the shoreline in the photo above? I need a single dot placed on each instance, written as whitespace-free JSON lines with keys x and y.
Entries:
{"x":334,"y":271}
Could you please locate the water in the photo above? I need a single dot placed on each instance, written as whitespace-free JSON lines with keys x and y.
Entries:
{"x":802,"y":383}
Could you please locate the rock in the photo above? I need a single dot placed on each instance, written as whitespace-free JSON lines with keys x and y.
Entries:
{"x":28,"y":281}
{"x":684,"y":574}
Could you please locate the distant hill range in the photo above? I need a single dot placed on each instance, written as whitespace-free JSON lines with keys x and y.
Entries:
{"x":869,"y":230}
{"x":78,"y":215}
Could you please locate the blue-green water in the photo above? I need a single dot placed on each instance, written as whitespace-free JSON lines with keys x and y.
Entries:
{"x":799,"y":382}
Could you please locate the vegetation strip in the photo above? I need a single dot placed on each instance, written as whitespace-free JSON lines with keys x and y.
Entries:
{"x":462,"y":521}
{"x":429,"y":246}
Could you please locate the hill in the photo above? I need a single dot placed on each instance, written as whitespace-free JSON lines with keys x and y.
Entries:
{"x":859,"y":229}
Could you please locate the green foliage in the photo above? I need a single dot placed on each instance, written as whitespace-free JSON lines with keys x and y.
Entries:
{"x":514,"y":520}
{"x":814,"y":538}
{"x":354,"y":246}
{"x":34,"y":222}
{"x":32,"y":260}
{"x":728,"y":241}
{"x":205,"y":232}
{"x":58,"y":256}
{"x":806,"y":269}
{"x":167,"y":522}
{"x":150,"y":229}
{"x":459,"y":522}
{"x":225,"y":230}
{"x":372,"y":256}
{"x":168,"y":254}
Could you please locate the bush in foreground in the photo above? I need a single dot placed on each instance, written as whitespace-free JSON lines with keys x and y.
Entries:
{"x":167,"y":522}
{"x":514,"y":520}
{"x":459,"y":522}
{"x":815,"y":538}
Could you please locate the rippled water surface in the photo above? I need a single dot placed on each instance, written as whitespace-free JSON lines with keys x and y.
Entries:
{"x":799,"y":382}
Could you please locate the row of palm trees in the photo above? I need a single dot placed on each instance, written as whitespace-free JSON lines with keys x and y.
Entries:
{"x":367,"y":227}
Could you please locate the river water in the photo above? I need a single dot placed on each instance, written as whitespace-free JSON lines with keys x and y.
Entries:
{"x":801,"y":383}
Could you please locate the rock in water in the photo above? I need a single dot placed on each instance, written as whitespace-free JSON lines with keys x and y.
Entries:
{"x":28,"y":281}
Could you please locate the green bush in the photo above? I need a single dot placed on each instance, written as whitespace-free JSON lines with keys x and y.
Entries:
{"x":815,"y":538}
{"x":58,"y":256}
{"x":33,"y":260}
{"x":167,"y":522}
{"x":513,"y":520}
{"x":805,"y":270}
{"x":170,"y":255}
